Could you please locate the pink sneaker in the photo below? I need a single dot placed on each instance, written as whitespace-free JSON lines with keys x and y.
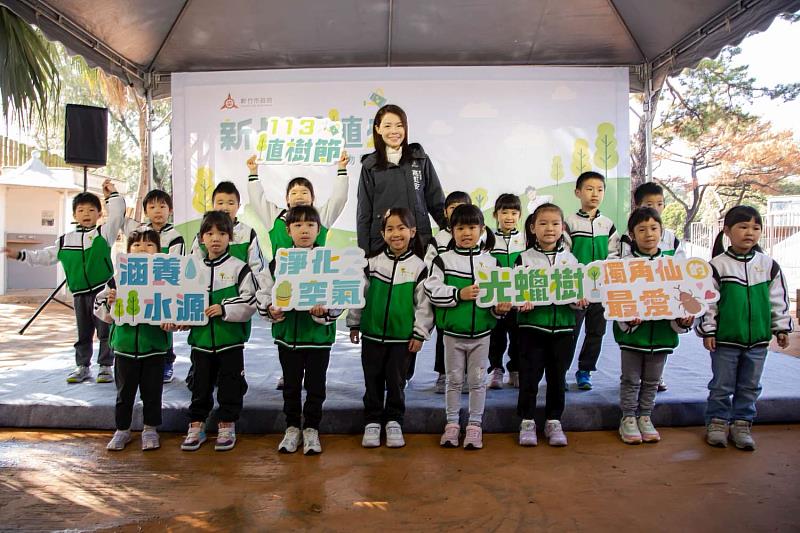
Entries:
{"x":474,"y":438}
{"x":527,"y":433}
{"x":450,"y":436}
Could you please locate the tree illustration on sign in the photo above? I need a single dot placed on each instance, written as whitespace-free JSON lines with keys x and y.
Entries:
{"x":605,"y":154}
{"x":261,"y":145}
{"x":119,"y":308}
{"x":133,"y":305}
{"x":203,"y":190}
{"x":594,"y":275}
{"x":581,"y":160}
{"x":479,"y":196}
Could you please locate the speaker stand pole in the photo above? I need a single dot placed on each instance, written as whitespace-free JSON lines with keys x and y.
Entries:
{"x":52,"y":296}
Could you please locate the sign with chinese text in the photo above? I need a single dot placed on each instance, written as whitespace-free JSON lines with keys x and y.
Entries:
{"x":159,"y":288}
{"x":305,"y":277}
{"x":562,"y":284}
{"x":298,"y":141}
{"x":662,"y":288}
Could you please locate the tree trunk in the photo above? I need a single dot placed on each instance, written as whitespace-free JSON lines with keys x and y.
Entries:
{"x":639,"y":149}
{"x":144,"y":148}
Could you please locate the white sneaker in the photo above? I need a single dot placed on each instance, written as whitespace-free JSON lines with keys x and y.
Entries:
{"x":291,"y":440}
{"x":554,"y":433}
{"x":372,"y":436}
{"x":394,"y":435}
{"x":496,"y":379}
{"x":648,"y":430}
{"x":629,"y":430}
{"x":120,"y":439}
{"x":311,"y":444}
{"x":80,"y":374}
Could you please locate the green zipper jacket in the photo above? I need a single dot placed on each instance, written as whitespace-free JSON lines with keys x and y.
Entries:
{"x":552,"y":318}
{"x":131,"y":340}
{"x":592,"y":239}
{"x":508,"y":247}
{"x":231,"y":285}
{"x":396,"y":307}
{"x":452,"y":271}
{"x":753,"y":303}
{"x":651,"y":336}
{"x":244,"y":247}
{"x":171,"y":240}
{"x":85,"y":254}
{"x":296,"y":330}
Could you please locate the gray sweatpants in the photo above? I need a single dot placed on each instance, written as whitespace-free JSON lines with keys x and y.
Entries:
{"x":472,"y":355}
{"x":641,"y":373}
{"x":87,"y":324}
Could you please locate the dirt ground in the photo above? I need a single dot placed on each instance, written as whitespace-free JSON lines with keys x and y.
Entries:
{"x":67,"y":480}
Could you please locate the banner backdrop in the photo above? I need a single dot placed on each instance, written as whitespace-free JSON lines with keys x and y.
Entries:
{"x":488,"y":130}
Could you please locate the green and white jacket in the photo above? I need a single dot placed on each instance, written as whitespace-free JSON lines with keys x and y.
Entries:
{"x":753,"y":303}
{"x":274,"y":217}
{"x":397,"y":308}
{"x":550,"y":318}
{"x":452,"y":271}
{"x":650,"y":336}
{"x":171,"y":240}
{"x":508,"y":247}
{"x":437,"y":246}
{"x":233,"y":286}
{"x":131,"y":340}
{"x":244,"y":247}
{"x":297,"y":330}
{"x":85,"y":254}
{"x":592,"y":239}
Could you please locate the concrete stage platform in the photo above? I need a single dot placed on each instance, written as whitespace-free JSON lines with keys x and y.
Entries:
{"x":37,"y":395}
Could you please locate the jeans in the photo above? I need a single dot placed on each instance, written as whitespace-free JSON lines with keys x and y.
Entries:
{"x":736,"y":372}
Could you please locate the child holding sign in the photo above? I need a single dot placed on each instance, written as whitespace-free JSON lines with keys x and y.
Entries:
{"x":545,"y":331}
{"x":139,"y":354}
{"x":396,"y":320}
{"x":451,"y":288}
{"x":218,"y":347}
{"x":753,"y":305}
{"x":644,"y":345}
{"x":304,"y":340}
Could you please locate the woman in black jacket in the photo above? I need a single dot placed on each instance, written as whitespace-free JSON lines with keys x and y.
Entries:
{"x":396,"y":174}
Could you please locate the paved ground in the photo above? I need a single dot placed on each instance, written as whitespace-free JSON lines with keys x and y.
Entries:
{"x":67,"y":480}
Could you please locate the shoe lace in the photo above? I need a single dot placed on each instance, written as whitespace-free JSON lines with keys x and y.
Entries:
{"x":716,"y":426}
{"x":473,"y":432}
{"x":311,"y":439}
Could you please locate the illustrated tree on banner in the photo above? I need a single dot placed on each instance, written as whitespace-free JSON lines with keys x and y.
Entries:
{"x":605,"y":154}
{"x":203,"y":190}
{"x":557,"y":172}
{"x":581,"y":158}
{"x":133,"y":305}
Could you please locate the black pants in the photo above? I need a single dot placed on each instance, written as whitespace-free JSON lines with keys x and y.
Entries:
{"x":171,"y":355}
{"x":87,"y":324}
{"x":595,"y":329}
{"x":226,"y":371}
{"x":548,"y":355}
{"x":504,"y":335}
{"x":144,"y":374}
{"x":384,"y":370}
{"x":438,"y":364}
{"x":304,"y":367}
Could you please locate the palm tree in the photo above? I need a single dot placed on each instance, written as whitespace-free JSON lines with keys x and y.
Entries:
{"x":30,"y":79}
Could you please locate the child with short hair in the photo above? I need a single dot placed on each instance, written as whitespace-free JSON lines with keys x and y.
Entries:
{"x":644,"y":345}
{"x":299,"y":191}
{"x":753,"y":306}
{"x":396,"y":319}
{"x":157,"y":206}
{"x":244,"y":241}
{"x":592,"y":237}
{"x":466,"y":327}
{"x":437,"y":245}
{"x":85,"y":255}
{"x":509,"y":243}
{"x":218,"y":346}
{"x":304,"y":340}
{"x":545,"y":331}
{"x":139,"y":357}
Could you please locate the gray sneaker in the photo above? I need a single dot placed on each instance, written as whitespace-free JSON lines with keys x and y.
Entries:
{"x":105,"y":375}
{"x":80,"y":374}
{"x":717,"y":433}
{"x":741,"y":436}
{"x":120,"y":439}
{"x":441,"y":383}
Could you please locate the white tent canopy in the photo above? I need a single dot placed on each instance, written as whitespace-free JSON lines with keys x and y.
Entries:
{"x":146,"y":40}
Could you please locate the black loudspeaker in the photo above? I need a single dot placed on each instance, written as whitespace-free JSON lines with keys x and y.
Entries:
{"x":86,"y":135}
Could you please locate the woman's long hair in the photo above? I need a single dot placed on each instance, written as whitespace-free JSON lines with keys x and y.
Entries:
{"x":380,"y":146}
